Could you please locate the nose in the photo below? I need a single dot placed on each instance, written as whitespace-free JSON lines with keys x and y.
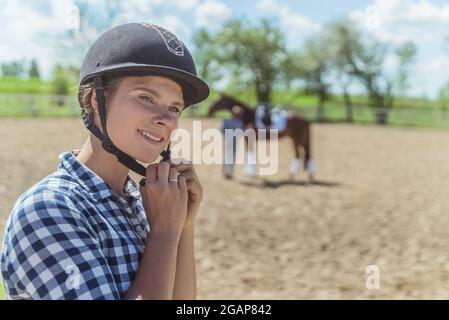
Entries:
{"x":163,"y":118}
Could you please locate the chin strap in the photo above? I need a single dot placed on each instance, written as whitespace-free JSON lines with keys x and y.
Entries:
{"x":106,"y":142}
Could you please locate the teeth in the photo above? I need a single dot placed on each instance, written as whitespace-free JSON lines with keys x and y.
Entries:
{"x":149,"y":135}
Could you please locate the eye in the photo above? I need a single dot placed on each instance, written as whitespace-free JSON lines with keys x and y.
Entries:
{"x":177,"y":110}
{"x":146,"y":99}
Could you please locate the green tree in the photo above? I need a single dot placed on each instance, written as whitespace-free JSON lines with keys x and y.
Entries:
{"x":406,"y":54}
{"x":253,"y":54}
{"x":443,"y":97}
{"x":367,"y":65}
{"x":14,"y":68}
{"x":361,"y":57}
{"x":34,"y":70}
{"x":344,"y":42}
{"x":61,"y":80}
{"x":313,"y":66}
{"x":206,"y":55}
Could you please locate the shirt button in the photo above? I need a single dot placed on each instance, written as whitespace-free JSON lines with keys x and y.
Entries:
{"x":139,"y":228}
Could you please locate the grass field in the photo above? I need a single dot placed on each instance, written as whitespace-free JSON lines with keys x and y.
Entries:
{"x":32,"y":98}
{"x":32,"y":85}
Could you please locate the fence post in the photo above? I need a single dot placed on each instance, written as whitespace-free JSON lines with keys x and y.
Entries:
{"x":32,"y":105}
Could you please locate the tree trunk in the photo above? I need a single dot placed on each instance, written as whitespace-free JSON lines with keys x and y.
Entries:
{"x":348,"y":103}
{"x":380,"y":109}
{"x":263,"y":92}
{"x":381,"y":115}
{"x":263,"y":96}
{"x":320,"y":116}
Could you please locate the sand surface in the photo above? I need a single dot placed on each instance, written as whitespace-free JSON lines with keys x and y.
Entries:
{"x":381,"y":197}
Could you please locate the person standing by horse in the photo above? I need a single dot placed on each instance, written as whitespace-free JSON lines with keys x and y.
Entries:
{"x":231,"y":140}
{"x":296,"y":127}
{"x":263,"y":112}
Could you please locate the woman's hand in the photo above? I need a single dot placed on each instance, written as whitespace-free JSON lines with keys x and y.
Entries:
{"x":194,"y":188}
{"x":164,"y":197}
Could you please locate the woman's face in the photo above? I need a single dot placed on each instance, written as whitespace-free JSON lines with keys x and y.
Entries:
{"x":142,"y":114}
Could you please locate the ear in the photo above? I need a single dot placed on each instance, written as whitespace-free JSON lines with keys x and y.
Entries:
{"x":93,"y":101}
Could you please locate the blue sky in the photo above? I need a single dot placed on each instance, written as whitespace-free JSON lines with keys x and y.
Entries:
{"x":320,"y":11}
{"x":425,"y":22}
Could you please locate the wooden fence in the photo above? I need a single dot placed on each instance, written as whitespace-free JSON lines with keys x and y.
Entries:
{"x":36,"y":105}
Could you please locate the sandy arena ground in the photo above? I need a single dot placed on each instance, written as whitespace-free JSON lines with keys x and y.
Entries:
{"x":380,"y":198}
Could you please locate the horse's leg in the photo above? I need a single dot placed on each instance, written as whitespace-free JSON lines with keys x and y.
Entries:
{"x":229,"y":157}
{"x":308,"y":162}
{"x":295,"y":165}
{"x":250,"y":159}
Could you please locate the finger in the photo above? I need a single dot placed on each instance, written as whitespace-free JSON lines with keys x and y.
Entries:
{"x":187,"y":175}
{"x":191,"y":181}
{"x":178,"y":161}
{"x":184,"y":167}
{"x":162,"y":172}
{"x":141,"y":189}
{"x":173,"y":176}
{"x":151,"y":173}
{"x":190,"y":175}
{"x":182,"y":184}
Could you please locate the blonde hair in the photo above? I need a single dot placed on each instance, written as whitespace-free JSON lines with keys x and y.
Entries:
{"x":85,"y":94}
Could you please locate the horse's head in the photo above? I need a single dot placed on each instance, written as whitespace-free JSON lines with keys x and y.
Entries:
{"x":222,"y":103}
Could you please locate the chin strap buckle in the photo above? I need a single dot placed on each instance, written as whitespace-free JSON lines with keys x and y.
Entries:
{"x":166,"y":154}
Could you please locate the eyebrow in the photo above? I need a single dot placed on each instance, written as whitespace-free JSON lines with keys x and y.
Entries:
{"x":151,"y":91}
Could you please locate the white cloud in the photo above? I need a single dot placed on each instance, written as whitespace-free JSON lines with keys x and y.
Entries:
{"x":142,"y":7}
{"x":154,"y":6}
{"x":296,"y":26}
{"x":212,"y":14}
{"x":27,"y":31}
{"x":184,"y":4}
{"x":30,"y":29}
{"x":430,"y":75}
{"x":267,"y":6}
{"x":399,"y":20}
{"x":421,"y":21}
{"x":177,"y":26}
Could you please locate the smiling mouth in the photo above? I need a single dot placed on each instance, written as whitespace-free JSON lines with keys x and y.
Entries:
{"x":151,"y":136}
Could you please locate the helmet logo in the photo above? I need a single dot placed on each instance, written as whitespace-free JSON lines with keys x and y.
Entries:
{"x":174,"y":45}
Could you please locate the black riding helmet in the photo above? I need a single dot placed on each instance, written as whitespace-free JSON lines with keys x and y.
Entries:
{"x":138,"y":49}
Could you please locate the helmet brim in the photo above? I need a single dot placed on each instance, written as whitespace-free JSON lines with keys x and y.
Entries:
{"x":194,"y":89}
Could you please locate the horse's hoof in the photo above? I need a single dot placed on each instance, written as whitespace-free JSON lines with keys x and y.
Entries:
{"x":228,"y":176}
{"x":250,"y":172}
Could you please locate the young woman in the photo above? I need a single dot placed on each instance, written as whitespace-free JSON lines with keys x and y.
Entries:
{"x":87,"y":231}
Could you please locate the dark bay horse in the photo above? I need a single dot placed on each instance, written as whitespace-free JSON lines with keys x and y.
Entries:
{"x":298,"y":129}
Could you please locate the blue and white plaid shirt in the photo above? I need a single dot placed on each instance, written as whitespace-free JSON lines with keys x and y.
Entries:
{"x":71,"y":236}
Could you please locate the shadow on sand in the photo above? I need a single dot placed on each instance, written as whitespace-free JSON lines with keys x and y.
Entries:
{"x":264,"y":183}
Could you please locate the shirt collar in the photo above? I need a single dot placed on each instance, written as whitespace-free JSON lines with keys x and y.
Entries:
{"x":90,"y":181}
